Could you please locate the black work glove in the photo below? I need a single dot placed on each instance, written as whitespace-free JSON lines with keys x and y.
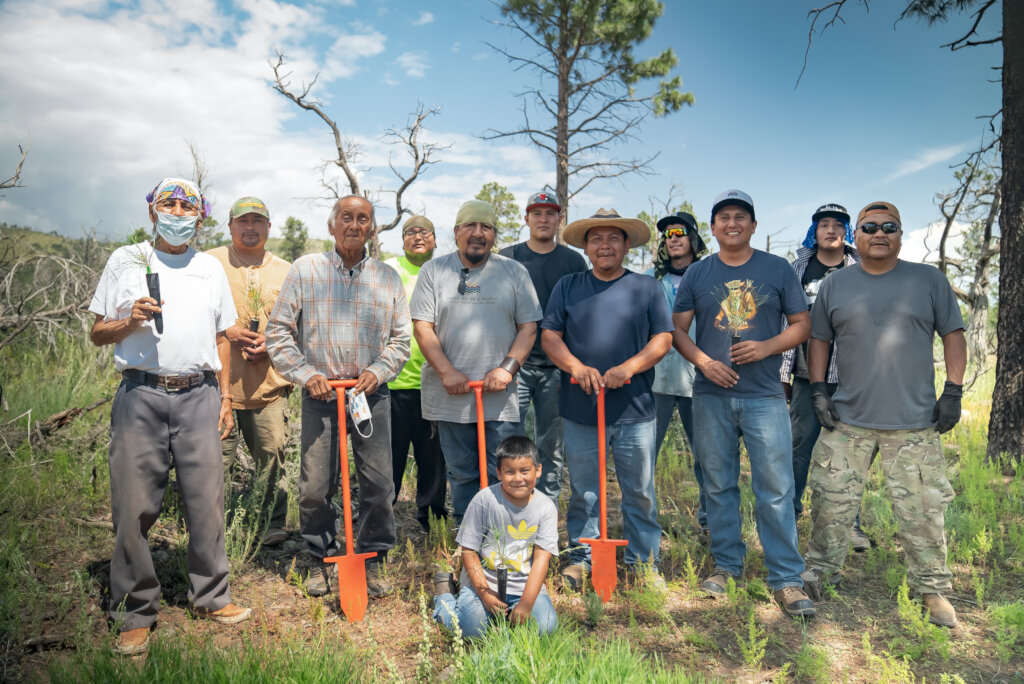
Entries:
{"x":946,"y":413}
{"x":824,"y":409}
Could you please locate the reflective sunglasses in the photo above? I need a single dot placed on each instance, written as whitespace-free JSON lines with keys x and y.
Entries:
{"x":462,"y":281}
{"x":888,"y":227}
{"x":675,"y":232}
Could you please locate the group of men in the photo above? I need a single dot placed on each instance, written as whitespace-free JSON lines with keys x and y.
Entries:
{"x":703,"y":337}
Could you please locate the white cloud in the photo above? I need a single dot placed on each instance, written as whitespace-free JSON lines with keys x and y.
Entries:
{"x":922,"y":245}
{"x":926,"y":158}
{"x":424,"y":19}
{"x":415,"y":64}
{"x":343,"y":57}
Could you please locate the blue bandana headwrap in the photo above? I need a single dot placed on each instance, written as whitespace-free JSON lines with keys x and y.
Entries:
{"x":179,"y":188}
{"x":811,"y":241}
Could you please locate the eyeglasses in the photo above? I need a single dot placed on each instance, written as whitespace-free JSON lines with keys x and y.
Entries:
{"x":675,"y":232}
{"x":462,"y":281}
{"x":888,"y":227}
{"x":418,"y":232}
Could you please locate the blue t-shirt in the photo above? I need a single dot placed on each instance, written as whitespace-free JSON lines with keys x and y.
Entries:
{"x":748,"y":301}
{"x":603,"y":324}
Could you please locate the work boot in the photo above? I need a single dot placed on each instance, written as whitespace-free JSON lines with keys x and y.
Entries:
{"x":228,"y":615}
{"x":274,"y":536}
{"x":572,"y":576}
{"x":794,"y":602}
{"x":444,"y":583}
{"x":859,"y":540}
{"x":815,"y":581}
{"x":940,"y":611}
{"x":717,"y":585}
{"x":377,"y":586}
{"x":132,"y":641}
{"x":320,"y":577}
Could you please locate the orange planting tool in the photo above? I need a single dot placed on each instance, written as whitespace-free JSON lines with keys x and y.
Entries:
{"x":602,"y":551}
{"x":351,"y":566}
{"x":481,"y":435}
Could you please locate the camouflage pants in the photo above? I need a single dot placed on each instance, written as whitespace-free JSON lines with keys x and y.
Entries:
{"x":915,"y":475}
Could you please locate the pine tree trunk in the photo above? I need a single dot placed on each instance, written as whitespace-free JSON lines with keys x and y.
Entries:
{"x":1006,"y":424}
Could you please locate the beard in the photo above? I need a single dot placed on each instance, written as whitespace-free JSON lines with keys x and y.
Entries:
{"x":474,"y":258}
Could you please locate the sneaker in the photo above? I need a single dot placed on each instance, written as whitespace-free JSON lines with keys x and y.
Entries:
{"x":132,"y":641}
{"x":717,"y":584}
{"x":795,"y":603}
{"x":274,"y":536}
{"x":572,"y":576}
{"x":377,"y":586}
{"x":940,"y":610}
{"x":859,"y":540}
{"x":320,"y":577}
{"x":815,"y":581}
{"x":444,"y":583}
{"x":228,"y":615}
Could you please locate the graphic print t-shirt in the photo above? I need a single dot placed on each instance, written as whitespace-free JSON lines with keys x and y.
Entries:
{"x":747,"y":301}
{"x":811,"y":281}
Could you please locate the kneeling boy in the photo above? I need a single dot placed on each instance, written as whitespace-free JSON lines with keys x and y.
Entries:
{"x":508,"y":525}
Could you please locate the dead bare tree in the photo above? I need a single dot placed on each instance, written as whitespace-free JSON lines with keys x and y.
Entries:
{"x":15,"y":180}
{"x":421,"y":152}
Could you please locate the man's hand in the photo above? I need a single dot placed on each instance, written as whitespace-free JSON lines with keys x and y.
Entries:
{"x":258,"y":351}
{"x":226,"y":419}
{"x":318,"y":388}
{"x":617,"y":376}
{"x":748,"y":351}
{"x":720,"y":374}
{"x":497,"y":380}
{"x":366,"y":383}
{"x":824,"y":409}
{"x":492,"y":604}
{"x":455,"y":382}
{"x":946,"y":413}
{"x":243,"y":337}
{"x":520,"y":614}
{"x":143,"y":309}
{"x":588,"y":378}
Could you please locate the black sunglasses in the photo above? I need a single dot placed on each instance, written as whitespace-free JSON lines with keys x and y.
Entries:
{"x":462,"y":281}
{"x":871,"y":228}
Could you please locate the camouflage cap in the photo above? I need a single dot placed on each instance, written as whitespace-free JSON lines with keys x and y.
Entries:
{"x":248,"y":205}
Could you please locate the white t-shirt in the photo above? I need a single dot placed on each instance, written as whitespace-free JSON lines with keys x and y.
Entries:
{"x":197,"y":305}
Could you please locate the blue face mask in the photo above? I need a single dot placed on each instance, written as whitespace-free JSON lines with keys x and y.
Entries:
{"x":175,"y":230}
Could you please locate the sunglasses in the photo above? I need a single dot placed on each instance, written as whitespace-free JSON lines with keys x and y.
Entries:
{"x":871,"y":228}
{"x":462,"y":281}
{"x":675,"y":232}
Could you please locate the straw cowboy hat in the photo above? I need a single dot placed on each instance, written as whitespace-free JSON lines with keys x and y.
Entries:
{"x":636,"y":230}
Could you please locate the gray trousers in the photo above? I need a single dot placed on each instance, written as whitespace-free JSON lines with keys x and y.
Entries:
{"x":320,"y":471}
{"x":147,"y":427}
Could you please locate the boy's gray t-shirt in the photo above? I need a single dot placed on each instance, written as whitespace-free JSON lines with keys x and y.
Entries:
{"x":885,"y":325}
{"x":500,"y":531}
{"x":475,"y":328}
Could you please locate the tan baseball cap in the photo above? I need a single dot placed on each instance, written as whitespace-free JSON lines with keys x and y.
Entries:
{"x":879,"y":208}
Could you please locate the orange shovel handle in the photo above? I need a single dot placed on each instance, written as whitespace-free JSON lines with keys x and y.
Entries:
{"x":340,"y":386}
{"x":481,"y":436}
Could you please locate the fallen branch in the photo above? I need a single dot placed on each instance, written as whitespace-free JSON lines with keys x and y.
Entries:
{"x":62,"y":418}
{"x":108,"y":525}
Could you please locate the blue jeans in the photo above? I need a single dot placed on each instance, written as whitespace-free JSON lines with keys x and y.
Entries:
{"x":632,"y":447}
{"x":473,"y":617}
{"x":764,"y":425}
{"x":458,"y":442}
{"x":541,"y":386}
{"x":664,"y":405}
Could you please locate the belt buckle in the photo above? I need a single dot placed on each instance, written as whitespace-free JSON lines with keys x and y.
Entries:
{"x":175,"y":383}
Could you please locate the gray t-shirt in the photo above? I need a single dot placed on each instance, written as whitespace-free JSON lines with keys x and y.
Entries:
{"x":885,"y":325}
{"x":501,"y":532}
{"x":476,"y":329}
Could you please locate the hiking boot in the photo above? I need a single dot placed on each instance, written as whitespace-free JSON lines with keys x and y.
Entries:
{"x":717,"y":585}
{"x":444,"y":583}
{"x":274,"y":536}
{"x":320,"y":577}
{"x":228,"y":615}
{"x":572,"y":576}
{"x":132,"y":641}
{"x":377,"y":586}
{"x":647,"y":576}
{"x":794,"y":602}
{"x":859,"y":540}
{"x":815,"y":581}
{"x":940,"y":611}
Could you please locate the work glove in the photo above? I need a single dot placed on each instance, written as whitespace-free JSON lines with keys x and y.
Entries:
{"x":946,"y":413}
{"x":824,"y":409}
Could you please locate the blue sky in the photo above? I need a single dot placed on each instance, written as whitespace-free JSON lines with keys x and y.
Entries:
{"x":109,"y":93}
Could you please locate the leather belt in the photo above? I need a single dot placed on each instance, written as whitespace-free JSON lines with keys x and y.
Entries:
{"x":169,"y":383}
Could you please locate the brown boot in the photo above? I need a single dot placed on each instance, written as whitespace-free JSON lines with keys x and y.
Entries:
{"x":940,"y":611}
{"x":228,"y":615}
{"x":132,"y":641}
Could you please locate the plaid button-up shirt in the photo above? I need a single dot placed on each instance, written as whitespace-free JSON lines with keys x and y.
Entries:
{"x":339,"y":321}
